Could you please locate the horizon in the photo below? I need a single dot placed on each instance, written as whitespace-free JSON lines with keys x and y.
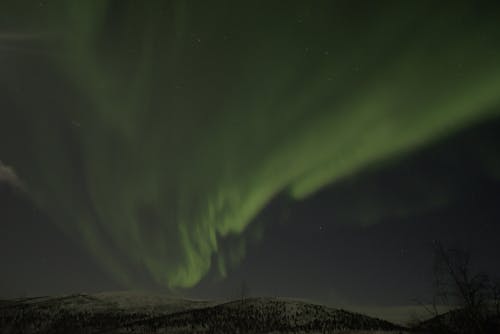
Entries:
{"x":403,"y":315}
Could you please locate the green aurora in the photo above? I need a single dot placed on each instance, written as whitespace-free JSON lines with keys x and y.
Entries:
{"x":192,"y":115}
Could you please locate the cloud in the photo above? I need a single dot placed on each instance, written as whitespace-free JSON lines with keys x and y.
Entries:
{"x":8,"y":176}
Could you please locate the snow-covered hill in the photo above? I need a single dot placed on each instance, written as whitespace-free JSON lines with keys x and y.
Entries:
{"x":146,"y":313}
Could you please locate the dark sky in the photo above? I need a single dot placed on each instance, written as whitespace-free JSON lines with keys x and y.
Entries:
{"x":310,"y":149}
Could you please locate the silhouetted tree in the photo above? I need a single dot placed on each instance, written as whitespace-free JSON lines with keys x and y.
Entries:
{"x":243,"y":290}
{"x":456,"y":284}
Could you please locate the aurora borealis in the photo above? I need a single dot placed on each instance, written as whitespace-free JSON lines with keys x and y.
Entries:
{"x":152,"y":131}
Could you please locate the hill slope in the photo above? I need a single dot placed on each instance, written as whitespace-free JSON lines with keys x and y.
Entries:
{"x":138,"y":313}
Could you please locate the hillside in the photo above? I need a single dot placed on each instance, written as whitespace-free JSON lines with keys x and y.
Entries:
{"x":86,"y":313}
{"x":459,"y":321}
{"x":137,"y":313}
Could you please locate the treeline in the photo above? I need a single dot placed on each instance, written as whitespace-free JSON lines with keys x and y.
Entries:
{"x":25,"y":319}
{"x":244,"y":316}
{"x":254,"y":316}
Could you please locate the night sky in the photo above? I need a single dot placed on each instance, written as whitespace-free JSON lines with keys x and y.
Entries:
{"x":310,"y":149}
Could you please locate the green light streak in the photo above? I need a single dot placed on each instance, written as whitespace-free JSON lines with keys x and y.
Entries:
{"x":198,"y":114}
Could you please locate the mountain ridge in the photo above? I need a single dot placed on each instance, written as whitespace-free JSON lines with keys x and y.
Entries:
{"x":141,"y":313}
